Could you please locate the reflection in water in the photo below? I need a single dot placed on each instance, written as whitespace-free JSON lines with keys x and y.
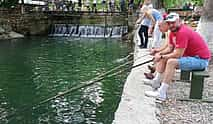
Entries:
{"x":35,"y":69}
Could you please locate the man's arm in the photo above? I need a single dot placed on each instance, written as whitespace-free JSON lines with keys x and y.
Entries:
{"x":178,"y":52}
{"x":153,"y":22}
{"x":164,"y":52}
{"x":140,"y":19}
{"x":142,"y":15}
{"x":149,"y":15}
{"x":167,"y":49}
{"x":153,"y":51}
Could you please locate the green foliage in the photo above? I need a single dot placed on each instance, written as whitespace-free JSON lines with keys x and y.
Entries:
{"x":180,"y":3}
{"x":198,"y":2}
{"x":8,"y":3}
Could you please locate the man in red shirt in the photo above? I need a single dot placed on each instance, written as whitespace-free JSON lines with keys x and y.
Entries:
{"x":187,"y":50}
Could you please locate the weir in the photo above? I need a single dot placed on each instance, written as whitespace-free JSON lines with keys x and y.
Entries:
{"x":79,"y":24}
{"x":91,"y":31}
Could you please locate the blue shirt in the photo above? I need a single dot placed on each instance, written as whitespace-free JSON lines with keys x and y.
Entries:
{"x":157,"y":15}
{"x":146,"y":22}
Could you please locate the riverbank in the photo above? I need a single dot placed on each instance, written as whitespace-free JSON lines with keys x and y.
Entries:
{"x":136,"y":108}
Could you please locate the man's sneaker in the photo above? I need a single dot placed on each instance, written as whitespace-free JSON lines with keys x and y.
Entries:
{"x":153,"y":83}
{"x":155,"y":94}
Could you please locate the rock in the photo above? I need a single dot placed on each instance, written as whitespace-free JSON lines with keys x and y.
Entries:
{"x":2,"y":31}
{"x":8,"y":34}
{"x":13,"y":34}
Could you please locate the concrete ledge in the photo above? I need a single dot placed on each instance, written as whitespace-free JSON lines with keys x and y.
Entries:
{"x":135,"y":107}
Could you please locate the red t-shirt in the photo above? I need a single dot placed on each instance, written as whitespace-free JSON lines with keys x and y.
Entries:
{"x":193,"y":43}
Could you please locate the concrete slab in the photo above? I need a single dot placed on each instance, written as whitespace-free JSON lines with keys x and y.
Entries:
{"x":135,"y":107}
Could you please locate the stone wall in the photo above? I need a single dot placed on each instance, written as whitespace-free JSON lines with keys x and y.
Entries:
{"x":40,"y":23}
{"x":6,"y":30}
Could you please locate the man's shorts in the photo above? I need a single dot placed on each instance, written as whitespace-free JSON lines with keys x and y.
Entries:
{"x":192,"y":63}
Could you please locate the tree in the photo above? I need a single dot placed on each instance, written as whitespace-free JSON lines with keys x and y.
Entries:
{"x":205,"y":26}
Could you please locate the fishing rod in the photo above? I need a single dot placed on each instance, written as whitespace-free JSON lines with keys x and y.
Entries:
{"x":138,"y":65}
{"x":83,"y":85}
{"x":68,"y":63}
{"x":88,"y":83}
{"x":96,"y":79}
{"x":142,"y":56}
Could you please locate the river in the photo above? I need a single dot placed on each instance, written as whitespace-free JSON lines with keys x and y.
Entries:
{"x":37,"y":68}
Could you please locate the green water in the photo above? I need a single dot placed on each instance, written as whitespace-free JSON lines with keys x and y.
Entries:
{"x":34,"y":69}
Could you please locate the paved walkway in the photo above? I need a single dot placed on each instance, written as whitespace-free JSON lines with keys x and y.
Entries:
{"x":135,"y":107}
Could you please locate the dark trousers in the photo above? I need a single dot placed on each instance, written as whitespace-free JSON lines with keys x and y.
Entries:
{"x":143,"y":33}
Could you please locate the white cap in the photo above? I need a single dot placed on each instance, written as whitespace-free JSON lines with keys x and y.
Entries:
{"x":172,"y":17}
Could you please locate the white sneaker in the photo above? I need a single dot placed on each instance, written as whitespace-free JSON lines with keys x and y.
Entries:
{"x":155,"y":94}
{"x":153,"y":83}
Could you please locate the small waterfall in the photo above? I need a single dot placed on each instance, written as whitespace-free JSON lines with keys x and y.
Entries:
{"x":83,"y":31}
{"x":116,"y":32}
{"x":75,"y":32}
{"x":98,"y":31}
{"x":108,"y":32}
{"x":90,"y":31}
{"x":124,"y":29}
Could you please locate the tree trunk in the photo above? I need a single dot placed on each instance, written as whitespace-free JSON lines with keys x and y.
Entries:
{"x":205,"y":26}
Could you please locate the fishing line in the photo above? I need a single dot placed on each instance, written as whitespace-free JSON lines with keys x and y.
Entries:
{"x":82,"y":85}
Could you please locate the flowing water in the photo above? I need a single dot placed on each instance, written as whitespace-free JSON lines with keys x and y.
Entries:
{"x":34,"y":69}
{"x":92,"y":31}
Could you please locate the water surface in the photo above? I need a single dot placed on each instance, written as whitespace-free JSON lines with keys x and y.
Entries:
{"x":34,"y":69}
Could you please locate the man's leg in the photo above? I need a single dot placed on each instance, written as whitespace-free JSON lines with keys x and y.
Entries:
{"x":140,"y":33}
{"x":171,"y":65}
{"x":146,"y":36}
{"x":157,"y":37}
{"x":160,"y":68}
{"x":161,"y":65}
{"x":192,"y":63}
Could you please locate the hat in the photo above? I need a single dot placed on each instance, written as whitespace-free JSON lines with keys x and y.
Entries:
{"x":172,"y":17}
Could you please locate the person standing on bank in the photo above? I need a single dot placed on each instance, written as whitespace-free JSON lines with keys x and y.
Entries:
{"x":145,"y":21}
{"x":187,"y":51}
{"x":157,"y":34}
{"x":151,"y":17}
